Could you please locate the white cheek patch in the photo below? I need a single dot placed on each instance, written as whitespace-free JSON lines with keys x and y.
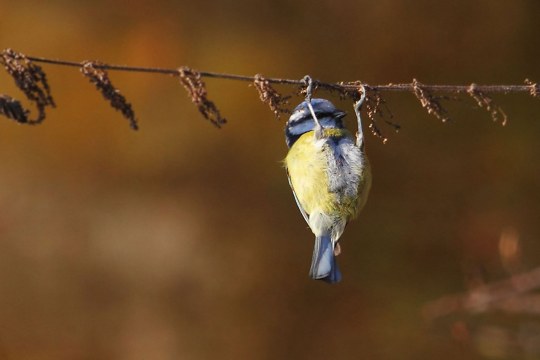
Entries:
{"x":301,"y":128}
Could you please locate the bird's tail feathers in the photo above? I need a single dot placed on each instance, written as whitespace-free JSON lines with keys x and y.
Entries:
{"x":323,"y":264}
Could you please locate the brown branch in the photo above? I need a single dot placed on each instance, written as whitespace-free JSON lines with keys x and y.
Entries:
{"x":498,"y":295}
{"x":348,"y":86}
{"x":524,"y":304}
{"x":31,"y":79}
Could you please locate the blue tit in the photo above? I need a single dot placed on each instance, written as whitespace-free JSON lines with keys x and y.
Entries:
{"x":330,"y":178}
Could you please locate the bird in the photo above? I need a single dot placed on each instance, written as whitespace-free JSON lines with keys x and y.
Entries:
{"x":330,"y":177}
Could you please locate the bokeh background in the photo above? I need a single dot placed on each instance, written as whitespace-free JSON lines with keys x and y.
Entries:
{"x":182,"y":241}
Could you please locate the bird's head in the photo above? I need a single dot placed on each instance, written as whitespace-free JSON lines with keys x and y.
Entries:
{"x":301,"y":121}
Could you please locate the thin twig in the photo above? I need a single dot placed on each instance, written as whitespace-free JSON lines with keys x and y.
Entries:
{"x":336,"y":86}
{"x":483,"y":298}
{"x":31,"y":79}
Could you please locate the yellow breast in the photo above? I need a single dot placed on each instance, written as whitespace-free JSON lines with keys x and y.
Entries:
{"x":307,"y":164}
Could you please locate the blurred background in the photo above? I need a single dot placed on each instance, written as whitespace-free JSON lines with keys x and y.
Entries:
{"x":182,"y":241}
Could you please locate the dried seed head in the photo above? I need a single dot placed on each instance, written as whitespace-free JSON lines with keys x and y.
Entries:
{"x":535,"y":88}
{"x":31,"y":80}
{"x":429,"y":102}
{"x":196,"y":89}
{"x":270,"y":96}
{"x":486,"y":102}
{"x":12,"y":109}
{"x":374,"y":108}
{"x":100,"y":78}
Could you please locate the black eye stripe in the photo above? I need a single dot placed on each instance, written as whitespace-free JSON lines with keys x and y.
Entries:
{"x":299,"y":122}
{"x":324,"y":114}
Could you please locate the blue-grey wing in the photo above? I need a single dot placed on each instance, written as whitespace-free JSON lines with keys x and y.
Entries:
{"x":304,"y":213}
